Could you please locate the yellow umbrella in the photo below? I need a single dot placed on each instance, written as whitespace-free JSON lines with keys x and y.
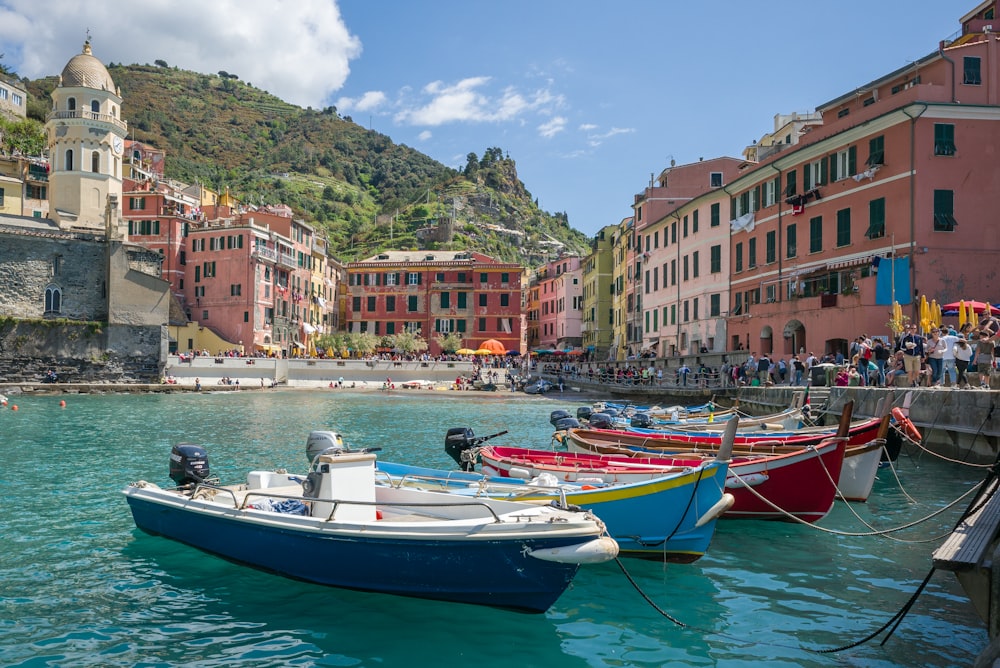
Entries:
{"x":973,"y":318}
{"x":961,"y":313}
{"x":465,"y":351}
{"x":925,"y":314}
{"x":483,"y":351}
{"x":935,"y":313}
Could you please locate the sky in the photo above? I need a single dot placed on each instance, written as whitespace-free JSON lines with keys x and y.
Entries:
{"x":591,"y":99}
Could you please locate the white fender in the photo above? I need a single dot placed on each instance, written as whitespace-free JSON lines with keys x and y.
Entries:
{"x":518,"y":472}
{"x":721,"y":506}
{"x":596,"y":551}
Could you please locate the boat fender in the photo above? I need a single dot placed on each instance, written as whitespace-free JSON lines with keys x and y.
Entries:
{"x":518,"y":472}
{"x":716,"y":511}
{"x":748,"y":480}
{"x":595,"y":551}
{"x":906,"y":425}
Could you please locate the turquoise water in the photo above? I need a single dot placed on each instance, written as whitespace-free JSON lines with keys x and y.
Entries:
{"x":79,"y":586}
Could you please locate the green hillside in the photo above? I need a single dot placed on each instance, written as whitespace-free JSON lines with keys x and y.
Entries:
{"x":368,"y":193}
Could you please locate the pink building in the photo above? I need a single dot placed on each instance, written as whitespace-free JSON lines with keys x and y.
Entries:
{"x":892,"y":197}
{"x":560,"y":305}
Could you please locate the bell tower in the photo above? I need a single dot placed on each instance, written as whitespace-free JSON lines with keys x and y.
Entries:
{"x":85,"y":135}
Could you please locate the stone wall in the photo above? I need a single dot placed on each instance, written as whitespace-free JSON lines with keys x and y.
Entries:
{"x":75,"y":264}
{"x":80,"y":352}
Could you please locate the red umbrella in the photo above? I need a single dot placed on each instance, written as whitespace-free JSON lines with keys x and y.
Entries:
{"x":978,"y":307}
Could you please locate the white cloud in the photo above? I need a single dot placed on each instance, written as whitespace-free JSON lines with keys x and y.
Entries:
{"x":598,"y":139}
{"x":552,"y":128}
{"x":469,"y":100}
{"x":299,"y":51}
{"x":370,"y":101}
{"x":426,"y":134}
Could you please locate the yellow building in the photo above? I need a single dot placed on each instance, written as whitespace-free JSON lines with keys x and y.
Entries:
{"x":621,"y":279}
{"x":598,"y":307}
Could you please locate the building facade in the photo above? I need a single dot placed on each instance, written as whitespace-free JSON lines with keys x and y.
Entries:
{"x":597,"y":318}
{"x":434,"y":293}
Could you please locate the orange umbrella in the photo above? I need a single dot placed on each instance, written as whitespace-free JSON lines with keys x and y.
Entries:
{"x":493,"y":347}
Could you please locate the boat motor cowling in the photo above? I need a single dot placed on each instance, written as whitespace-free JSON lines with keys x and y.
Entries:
{"x":457,"y":442}
{"x":557,"y":415}
{"x":568,"y":422}
{"x":642,"y":420}
{"x":584,"y":412}
{"x":188,"y":464}
{"x":322,"y":441}
{"x":601,"y":421}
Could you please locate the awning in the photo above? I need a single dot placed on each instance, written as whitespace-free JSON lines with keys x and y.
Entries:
{"x":848,"y":262}
{"x":268,"y":347}
{"x":299,"y":345}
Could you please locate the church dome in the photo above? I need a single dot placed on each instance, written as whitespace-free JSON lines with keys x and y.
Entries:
{"x":85,"y":71}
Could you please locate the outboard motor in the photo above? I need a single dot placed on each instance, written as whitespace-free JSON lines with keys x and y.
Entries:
{"x":555,"y":416}
{"x":584,"y":412}
{"x":641,"y":420}
{"x":188,"y":464}
{"x":601,"y":421}
{"x":568,"y":422}
{"x":321,"y":441}
{"x":459,"y":443}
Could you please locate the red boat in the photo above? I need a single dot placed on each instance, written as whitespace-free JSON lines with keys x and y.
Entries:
{"x":800,"y":484}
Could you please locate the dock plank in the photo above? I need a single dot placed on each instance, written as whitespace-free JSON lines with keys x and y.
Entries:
{"x":966,"y":547}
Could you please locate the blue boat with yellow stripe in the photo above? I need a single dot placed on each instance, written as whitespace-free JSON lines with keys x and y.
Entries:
{"x":671,"y":517}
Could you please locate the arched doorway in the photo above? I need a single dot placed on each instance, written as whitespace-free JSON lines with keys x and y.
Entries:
{"x":794,"y":334}
{"x":766,"y":340}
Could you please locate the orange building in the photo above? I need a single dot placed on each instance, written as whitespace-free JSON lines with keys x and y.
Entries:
{"x":435,"y":293}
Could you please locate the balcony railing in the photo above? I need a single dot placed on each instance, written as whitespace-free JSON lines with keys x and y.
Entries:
{"x":266,"y":254}
{"x":86,"y":114}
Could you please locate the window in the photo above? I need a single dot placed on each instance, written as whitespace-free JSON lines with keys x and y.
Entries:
{"x":356,"y":304}
{"x":505,"y":277}
{"x":771,"y":192}
{"x":714,"y":305}
{"x":684,"y":271}
{"x":790,"y":242}
{"x":504,"y":299}
{"x":971,"y":72}
{"x":876,"y":218}
{"x":53,"y":299}
{"x":413,"y":278}
{"x":390,"y":303}
{"x":770,"y":247}
{"x":482,"y":298}
{"x":694,"y":264}
{"x":461,"y":277}
{"x":876,"y":151}
{"x":391,"y":278}
{"x":411,"y":303}
{"x":445,"y":300}
{"x":439,"y":277}
{"x":816,"y":234}
{"x":944,"y":209}
{"x":484,"y":278}
{"x":69,"y":160}
{"x":687,"y":312}
{"x":790,"y":185}
{"x":944,"y":139}
{"x":843,"y":112}
{"x":95,"y":106}
{"x":843,"y":228}
{"x":235,"y":289}
{"x":814,"y":174}
{"x":371,"y":304}
{"x":751,"y":253}
{"x":684,"y":233}
{"x":673,"y":232}
{"x":694,"y":222}
{"x":694,"y":307}
{"x":95,"y":162}
{"x":715,"y":215}
{"x":739,"y":257}
{"x":390,"y":328}
{"x":715,"y":260}
{"x":715,"y":180}
{"x":462,"y":299}
{"x":843,"y":164}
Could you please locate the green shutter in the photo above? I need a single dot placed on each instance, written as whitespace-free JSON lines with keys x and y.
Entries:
{"x":833,"y":167}
{"x":852,"y":161}
{"x":806,"y":178}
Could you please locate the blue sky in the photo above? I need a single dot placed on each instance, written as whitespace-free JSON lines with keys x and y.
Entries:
{"x":591,"y":99}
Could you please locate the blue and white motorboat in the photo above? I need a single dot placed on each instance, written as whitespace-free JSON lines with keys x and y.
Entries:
{"x":336,"y":526}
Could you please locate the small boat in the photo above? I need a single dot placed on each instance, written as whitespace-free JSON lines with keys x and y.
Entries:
{"x":538,"y":386}
{"x":799,"y":484}
{"x":337,"y":527}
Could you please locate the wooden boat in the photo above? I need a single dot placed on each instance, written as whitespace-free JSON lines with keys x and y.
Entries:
{"x":671,"y":516}
{"x":795,"y":485}
{"x":857,"y":475}
{"x":337,"y":527}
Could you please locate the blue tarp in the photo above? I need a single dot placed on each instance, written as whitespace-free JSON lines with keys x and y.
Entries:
{"x":884,"y":287}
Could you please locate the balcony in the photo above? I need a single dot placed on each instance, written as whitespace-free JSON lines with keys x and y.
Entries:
{"x":87,"y":115}
{"x":265,"y":254}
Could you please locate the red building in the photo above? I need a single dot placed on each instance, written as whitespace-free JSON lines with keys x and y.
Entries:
{"x":435,"y":293}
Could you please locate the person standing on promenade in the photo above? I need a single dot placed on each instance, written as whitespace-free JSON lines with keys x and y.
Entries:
{"x":948,"y":370}
{"x":984,"y":358}
{"x":962,"y":353}
{"x":881,"y":354}
{"x":912,"y":346}
{"x":935,"y":355}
